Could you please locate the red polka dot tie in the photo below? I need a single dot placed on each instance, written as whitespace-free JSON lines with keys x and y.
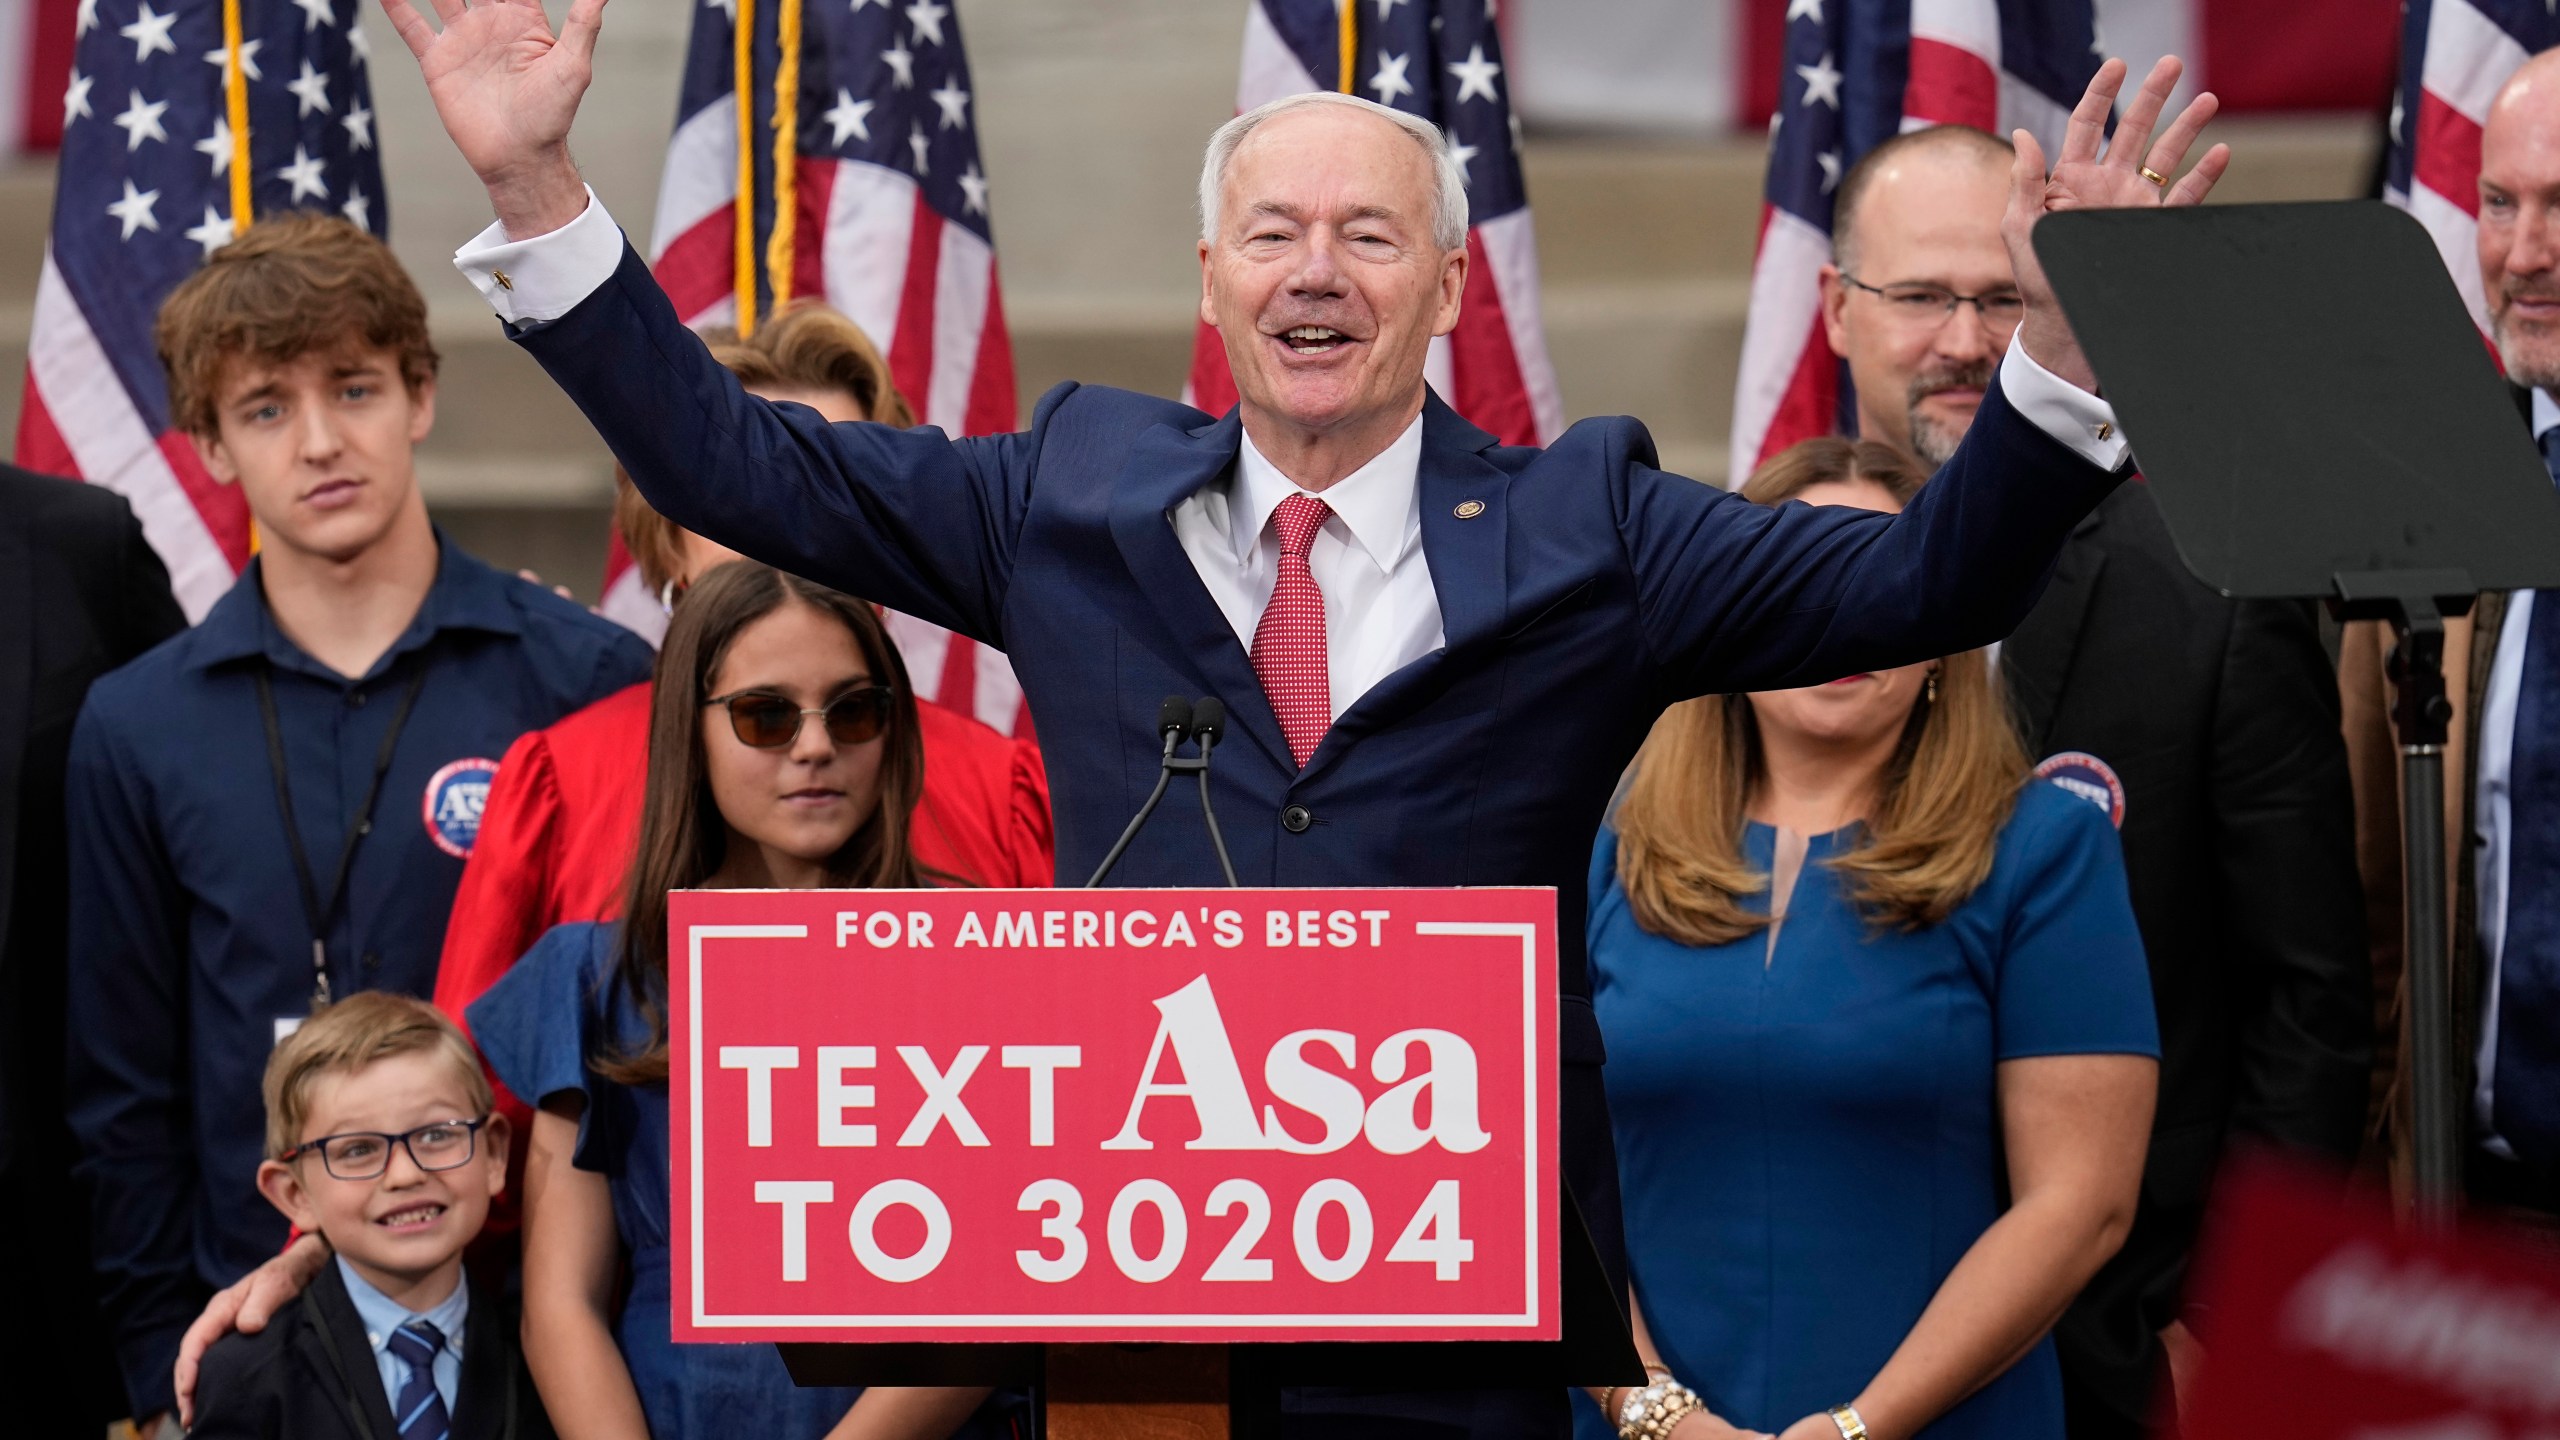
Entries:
{"x":1288,"y":646}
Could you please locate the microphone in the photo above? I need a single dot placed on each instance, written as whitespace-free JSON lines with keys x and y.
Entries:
{"x":1208,"y":725}
{"x":1174,"y":723}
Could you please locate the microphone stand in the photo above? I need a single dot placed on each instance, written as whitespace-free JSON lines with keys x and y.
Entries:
{"x":1208,"y":724}
{"x":1173,"y":721}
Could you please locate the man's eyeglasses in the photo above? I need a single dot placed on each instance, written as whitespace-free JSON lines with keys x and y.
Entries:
{"x":1922,"y":303}
{"x":765,"y":721}
{"x":366,"y":1154}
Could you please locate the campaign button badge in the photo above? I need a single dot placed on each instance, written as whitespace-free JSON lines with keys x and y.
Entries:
{"x":455,"y":795}
{"x":2088,"y":777}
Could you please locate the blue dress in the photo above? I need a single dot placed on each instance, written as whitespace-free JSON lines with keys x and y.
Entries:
{"x":540,"y":1026}
{"x":1809,"y":1139}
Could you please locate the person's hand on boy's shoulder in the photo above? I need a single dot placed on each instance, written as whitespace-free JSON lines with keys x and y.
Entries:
{"x":247,"y":1307}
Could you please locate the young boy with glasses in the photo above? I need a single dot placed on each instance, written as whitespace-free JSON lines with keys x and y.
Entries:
{"x":381,"y":1139}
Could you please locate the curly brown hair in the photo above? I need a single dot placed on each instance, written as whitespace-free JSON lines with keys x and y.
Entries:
{"x":295,"y":284}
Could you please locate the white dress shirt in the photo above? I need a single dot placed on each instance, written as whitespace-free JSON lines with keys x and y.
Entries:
{"x":2491,"y":771}
{"x":1381,"y":612}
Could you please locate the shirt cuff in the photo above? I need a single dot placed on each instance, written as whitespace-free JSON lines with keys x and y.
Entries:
{"x":2058,"y":408}
{"x":543,"y":278}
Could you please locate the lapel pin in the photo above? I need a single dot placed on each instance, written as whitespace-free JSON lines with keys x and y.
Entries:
{"x":1468,"y":509}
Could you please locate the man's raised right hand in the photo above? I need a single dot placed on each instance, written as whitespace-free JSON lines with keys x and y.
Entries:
{"x":506,"y":89}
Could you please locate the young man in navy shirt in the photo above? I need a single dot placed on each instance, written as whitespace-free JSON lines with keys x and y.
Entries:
{"x":274,"y":807}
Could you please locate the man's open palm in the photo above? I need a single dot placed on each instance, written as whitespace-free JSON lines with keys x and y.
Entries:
{"x":2094,"y":173}
{"x":504,"y":85}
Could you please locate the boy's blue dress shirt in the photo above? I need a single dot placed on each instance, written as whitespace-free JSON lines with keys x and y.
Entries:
{"x":188,"y":935}
{"x":381,"y":1315}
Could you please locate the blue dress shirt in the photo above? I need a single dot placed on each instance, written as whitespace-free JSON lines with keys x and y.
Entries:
{"x":186,"y":914}
{"x":381,"y":1315}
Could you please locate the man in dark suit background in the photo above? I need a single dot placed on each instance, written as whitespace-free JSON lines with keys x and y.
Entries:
{"x":1437,"y":653}
{"x":80,"y":593}
{"x":2502,"y":766}
{"x":2208,"y":727}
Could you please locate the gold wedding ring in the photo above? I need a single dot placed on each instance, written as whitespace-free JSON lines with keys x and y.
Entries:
{"x":2155,"y":177}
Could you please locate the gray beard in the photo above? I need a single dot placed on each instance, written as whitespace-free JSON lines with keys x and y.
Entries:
{"x":2521,"y":371}
{"x":1934,"y":443}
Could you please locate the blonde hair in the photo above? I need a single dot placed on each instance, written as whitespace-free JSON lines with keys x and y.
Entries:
{"x":343,"y":1038}
{"x":806,"y":347}
{"x":1944,"y":795}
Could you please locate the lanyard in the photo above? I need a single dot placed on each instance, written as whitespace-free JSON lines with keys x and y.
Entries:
{"x":315,"y":909}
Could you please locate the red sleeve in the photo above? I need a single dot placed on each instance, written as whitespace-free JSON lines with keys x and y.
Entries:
{"x":1029,"y":841}
{"x":499,"y":909}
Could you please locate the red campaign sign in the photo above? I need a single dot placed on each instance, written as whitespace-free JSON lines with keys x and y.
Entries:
{"x":1205,"y":1115}
{"x":2324,"y":1318}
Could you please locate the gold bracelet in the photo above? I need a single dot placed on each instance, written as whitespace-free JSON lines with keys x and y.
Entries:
{"x":1650,"y":1413}
{"x":1852,"y":1425}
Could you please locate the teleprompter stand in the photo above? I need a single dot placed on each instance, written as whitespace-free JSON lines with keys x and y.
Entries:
{"x":2315,"y":414}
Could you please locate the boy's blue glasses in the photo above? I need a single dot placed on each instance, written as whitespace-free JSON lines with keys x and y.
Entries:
{"x":366,"y":1154}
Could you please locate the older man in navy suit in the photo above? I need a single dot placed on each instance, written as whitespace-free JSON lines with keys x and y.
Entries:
{"x":1438,"y":651}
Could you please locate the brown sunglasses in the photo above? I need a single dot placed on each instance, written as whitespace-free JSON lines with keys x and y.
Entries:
{"x":764,"y":720}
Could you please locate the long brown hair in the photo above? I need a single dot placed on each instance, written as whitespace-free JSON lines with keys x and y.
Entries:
{"x":683,"y":838}
{"x":1944,"y":794}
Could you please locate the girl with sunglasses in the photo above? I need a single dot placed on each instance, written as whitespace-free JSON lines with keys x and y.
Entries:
{"x":783,"y":754}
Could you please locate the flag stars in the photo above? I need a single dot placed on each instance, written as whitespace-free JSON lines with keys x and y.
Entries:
{"x":1385,"y":6}
{"x":1465,"y":156}
{"x":312,"y":89}
{"x":359,"y":208}
{"x":359,"y":125}
{"x":216,"y":147}
{"x":141,"y":121}
{"x":215,"y":232}
{"x":973,"y":190}
{"x":927,"y":17}
{"x":1829,"y":160}
{"x":955,"y":105}
{"x":135,"y":210}
{"x":88,"y":20}
{"x":849,"y":117}
{"x":1390,"y":80}
{"x":304,"y":175}
{"x":1475,"y":75}
{"x":315,"y":13}
{"x":922,"y":147}
{"x":1821,"y":82}
{"x":903,"y":60}
{"x":150,"y":32}
{"x":220,"y":59}
{"x":727,"y":7}
{"x":357,"y":45}
{"x":1804,"y":10}
{"x":75,"y":100}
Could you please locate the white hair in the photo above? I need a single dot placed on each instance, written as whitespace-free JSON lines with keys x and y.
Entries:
{"x":1449,"y":200}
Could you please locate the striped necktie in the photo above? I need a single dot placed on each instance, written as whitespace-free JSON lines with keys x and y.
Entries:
{"x":419,"y":1408}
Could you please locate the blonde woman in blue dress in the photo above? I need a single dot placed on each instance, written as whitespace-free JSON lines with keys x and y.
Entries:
{"x":1881,"y":1048}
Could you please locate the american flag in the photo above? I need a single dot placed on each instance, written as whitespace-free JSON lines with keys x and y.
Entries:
{"x":881,"y":212}
{"x":1441,"y":60}
{"x":1857,"y":72}
{"x":155,"y":165}
{"x":2454,"y":57}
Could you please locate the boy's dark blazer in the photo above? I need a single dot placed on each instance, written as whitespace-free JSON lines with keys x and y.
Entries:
{"x":310,"y":1375}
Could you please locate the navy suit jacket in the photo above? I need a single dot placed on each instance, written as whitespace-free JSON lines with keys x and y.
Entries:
{"x":1587,"y":591}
